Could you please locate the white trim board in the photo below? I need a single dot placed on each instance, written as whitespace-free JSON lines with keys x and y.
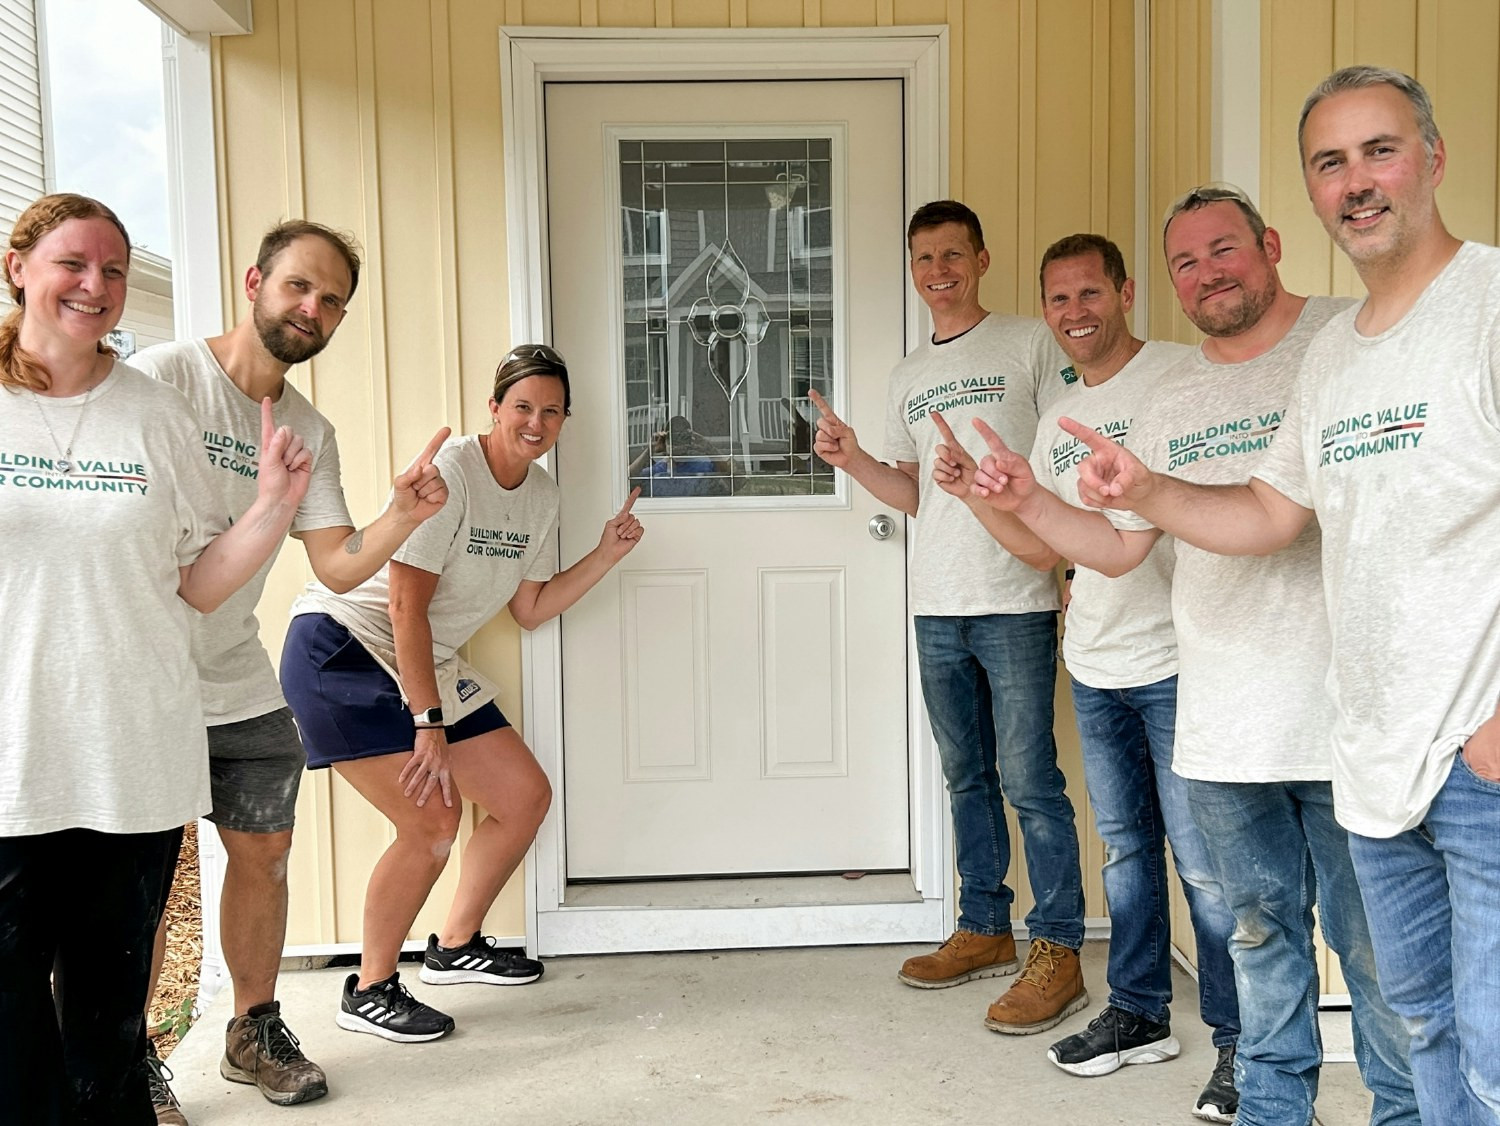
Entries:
{"x":530,"y":58}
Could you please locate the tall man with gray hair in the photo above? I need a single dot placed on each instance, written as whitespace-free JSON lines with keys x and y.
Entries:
{"x":1253,"y":719}
{"x":1391,"y":439}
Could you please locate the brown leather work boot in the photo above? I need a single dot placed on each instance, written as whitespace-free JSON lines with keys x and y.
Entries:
{"x":259,"y":1048}
{"x":964,"y":957}
{"x":1049,"y":989}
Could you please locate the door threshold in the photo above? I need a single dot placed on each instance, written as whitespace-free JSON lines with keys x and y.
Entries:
{"x":739,"y":914}
{"x":745,"y":892}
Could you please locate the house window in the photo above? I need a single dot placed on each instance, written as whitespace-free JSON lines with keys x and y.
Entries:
{"x":727,"y":258}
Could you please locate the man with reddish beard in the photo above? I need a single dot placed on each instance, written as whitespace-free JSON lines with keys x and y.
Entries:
{"x":1391,"y":439}
{"x":299,"y":289}
{"x":1253,"y":719}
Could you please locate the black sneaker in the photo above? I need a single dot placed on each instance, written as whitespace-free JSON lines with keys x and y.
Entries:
{"x":1113,"y":1039}
{"x":1219,"y":1099}
{"x":387,"y":1009}
{"x":478,"y":960}
{"x":163,"y":1101}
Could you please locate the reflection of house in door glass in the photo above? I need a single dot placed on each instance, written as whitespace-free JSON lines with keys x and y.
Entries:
{"x":728,"y":286}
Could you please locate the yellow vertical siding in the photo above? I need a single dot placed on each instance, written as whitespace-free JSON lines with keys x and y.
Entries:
{"x":383,"y":117}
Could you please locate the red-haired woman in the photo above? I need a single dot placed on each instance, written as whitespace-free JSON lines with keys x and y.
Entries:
{"x":113,"y":536}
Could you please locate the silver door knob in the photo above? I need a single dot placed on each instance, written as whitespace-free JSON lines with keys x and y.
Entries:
{"x":882,"y":527}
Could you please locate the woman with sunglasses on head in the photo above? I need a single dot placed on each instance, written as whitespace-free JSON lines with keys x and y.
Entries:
{"x":380,"y":694}
{"x":113,"y":530}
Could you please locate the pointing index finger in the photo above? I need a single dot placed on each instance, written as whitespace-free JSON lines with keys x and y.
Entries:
{"x":630,"y":500}
{"x":991,"y":439}
{"x":433,"y":446}
{"x":821,"y":403}
{"x":947,"y":431}
{"x":267,"y":423}
{"x":1086,"y":434}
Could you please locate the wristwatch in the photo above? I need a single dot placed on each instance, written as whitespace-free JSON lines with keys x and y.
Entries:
{"x":432,"y":717}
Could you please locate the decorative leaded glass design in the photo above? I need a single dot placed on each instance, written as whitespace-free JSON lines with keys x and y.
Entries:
{"x":728,"y":266}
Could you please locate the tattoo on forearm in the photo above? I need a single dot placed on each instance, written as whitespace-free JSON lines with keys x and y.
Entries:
{"x":354,"y":543}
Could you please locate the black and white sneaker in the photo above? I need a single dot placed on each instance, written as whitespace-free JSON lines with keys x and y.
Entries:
{"x":1113,"y":1039}
{"x":388,"y":1010}
{"x":478,"y":960}
{"x":1219,"y":1099}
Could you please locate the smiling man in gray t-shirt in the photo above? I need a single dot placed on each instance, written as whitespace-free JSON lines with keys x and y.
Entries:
{"x":1390,"y":439}
{"x":299,"y":289}
{"x":1252,"y":719}
{"x":986,"y":628}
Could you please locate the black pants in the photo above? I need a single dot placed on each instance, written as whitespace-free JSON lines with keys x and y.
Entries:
{"x":78,"y":913}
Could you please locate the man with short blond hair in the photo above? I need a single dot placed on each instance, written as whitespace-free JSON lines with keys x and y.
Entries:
{"x":986,"y":652}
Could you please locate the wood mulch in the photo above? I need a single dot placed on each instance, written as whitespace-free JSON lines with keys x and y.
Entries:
{"x":179,"y":973}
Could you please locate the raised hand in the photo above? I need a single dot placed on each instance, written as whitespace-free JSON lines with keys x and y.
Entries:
{"x":1004,"y":480}
{"x":1111,"y":476}
{"x":622,"y":531}
{"x":952,"y":467}
{"x":285,"y":466}
{"x":420,"y":491}
{"x":834,"y":441}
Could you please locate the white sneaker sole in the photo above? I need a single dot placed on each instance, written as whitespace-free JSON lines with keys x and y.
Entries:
{"x":1210,"y":1113}
{"x":470,"y":977}
{"x":1157,"y":1052}
{"x":354,"y":1023}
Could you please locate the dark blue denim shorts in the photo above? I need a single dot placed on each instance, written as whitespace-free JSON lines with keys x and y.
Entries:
{"x":347,"y":706}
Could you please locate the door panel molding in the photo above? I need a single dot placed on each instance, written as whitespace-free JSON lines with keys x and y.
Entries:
{"x":530,"y":58}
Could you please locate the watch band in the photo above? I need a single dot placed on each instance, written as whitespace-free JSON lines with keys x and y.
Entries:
{"x":429,"y":717}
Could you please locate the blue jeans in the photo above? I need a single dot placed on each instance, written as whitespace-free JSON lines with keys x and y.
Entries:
{"x":1277,"y":851}
{"x":1434,"y":895}
{"x":1127,"y":759}
{"x":988,"y":682}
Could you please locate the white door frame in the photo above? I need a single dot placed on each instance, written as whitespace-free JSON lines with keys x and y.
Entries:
{"x":529,"y":58}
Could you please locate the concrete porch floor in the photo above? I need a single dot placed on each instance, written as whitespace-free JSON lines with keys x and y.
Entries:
{"x":812,"y":1036}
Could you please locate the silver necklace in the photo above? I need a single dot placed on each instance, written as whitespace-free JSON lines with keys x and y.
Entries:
{"x":64,"y":461}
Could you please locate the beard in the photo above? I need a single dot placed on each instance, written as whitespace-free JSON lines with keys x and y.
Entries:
{"x":287,"y":345}
{"x":1232,"y":319}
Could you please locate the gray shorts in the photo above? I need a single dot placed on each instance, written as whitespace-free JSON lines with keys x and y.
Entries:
{"x":256,"y":767}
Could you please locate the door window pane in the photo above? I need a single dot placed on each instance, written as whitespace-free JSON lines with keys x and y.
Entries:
{"x":727,"y":252}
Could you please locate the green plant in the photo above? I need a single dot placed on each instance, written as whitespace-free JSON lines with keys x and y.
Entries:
{"x":177,"y":1020}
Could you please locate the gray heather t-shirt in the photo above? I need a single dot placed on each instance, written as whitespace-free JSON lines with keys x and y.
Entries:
{"x":1118,"y":631}
{"x":1252,"y":631}
{"x":238,"y":681}
{"x":1004,"y":370}
{"x":1394,"y":441}
{"x":484,"y":543}
{"x":105,"y":727}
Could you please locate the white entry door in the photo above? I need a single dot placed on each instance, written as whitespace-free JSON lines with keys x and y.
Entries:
{"x":734,"y":694}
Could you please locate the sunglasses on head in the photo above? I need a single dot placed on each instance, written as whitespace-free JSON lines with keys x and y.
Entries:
{"x":1217,"y":192}
{"x":535,"y":352}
